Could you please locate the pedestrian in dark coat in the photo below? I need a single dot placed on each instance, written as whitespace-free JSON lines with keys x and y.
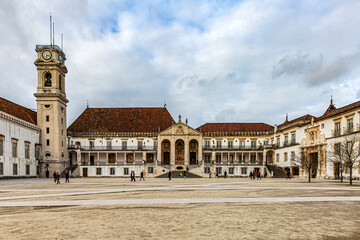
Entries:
{"x":259,"y":175}
{"x":66,"y":176}
{"x":184,"y":175}
{"x":142,"y":176}
{"x":225,"y":174}
{"x":169,"y":175}
{"x":54,"y":175}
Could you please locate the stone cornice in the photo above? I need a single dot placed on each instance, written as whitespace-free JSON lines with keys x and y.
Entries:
{"x":19,"y":121}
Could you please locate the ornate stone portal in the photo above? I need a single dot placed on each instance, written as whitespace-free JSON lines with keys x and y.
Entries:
{"x":179,"y":152}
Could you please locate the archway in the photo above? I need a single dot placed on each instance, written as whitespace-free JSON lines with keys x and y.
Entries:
{"x":193,"y":146}
{"x":165,"y":152}
{"x":179,"y":152}
{"x":270,"y":158}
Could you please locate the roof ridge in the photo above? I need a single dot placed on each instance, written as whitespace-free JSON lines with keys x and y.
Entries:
{"x":18,"y":104}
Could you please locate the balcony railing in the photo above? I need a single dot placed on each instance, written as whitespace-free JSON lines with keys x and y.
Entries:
{"x":118,"y":148}
{"x":233,"y":148}
{"x":345,"y":131}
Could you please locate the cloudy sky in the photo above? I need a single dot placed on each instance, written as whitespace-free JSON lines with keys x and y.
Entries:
{"x":211,"y":61}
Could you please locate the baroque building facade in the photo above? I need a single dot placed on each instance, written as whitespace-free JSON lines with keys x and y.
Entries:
{"x":113,"y":142}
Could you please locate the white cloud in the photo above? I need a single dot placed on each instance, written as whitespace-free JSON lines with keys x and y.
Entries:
{"x":211,"y":60}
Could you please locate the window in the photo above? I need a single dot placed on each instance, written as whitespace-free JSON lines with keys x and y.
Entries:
{"x":244,"y":170}
{"x":207,"y":158}
{"x":47,"y":142}
{"x":292,"y":156}
{"x":1,"y":146}
{"x":293,"y":138}
{"x":140,"y":144}
{"x":277,"y":157}
{"x":124,"y":144}
{"x":47,"y":154}
{"x":285,"y":157}
{"x":218,"y":158}
{"x":112,"y":171}
{"x":37,"y":152}
{"x":126,"y":171}
{"x":62,"y":132}
{"x":231,"y":158}
{"x":337,"y":148}
{"x":350,"y":125}
{"x":47,"y":80}
{"x":286,"y":140}
{"x":27,"y":150}
{"x":207,"y":144}
{"x":1,"y":169}
{"x":108,"y":145}
{"x":206,"y":169}
{"x":60,"y":82}
{"x":241,"y":159}
{"x":150,"y":170}
{"x":218,"y":144}
{"x":322,"y":126}
{"x":91,"y":144}
{"x":266,"y":142}
{"x":15,"y":170}
{"x":253,"y":159}
{"x":27,"y":169}
{"x":37,"y":170}
{"x":47,"y":130}
{"x":62,"y":143}
{"x":253,"y":144}
{"x":218,"y":170}
{"x":337,"y":129}
{"x":14,"y":148}
{"x":47,"y":118}
{"x":230,"y":144}
{"x":278,"y":142}
{"x":98,"y":171}
{"x":231,"y":170}
{"x":193,"y":145}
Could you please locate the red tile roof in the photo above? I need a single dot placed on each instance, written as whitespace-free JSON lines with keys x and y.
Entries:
{"x":235,"y":127}
{"x":332,"y":110}
{"x":297,"y":121}
{"x":101,"y":120}
{"x":18,"y":111}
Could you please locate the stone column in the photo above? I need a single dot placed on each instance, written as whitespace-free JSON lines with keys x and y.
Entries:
{"x":200,"y":151}
{"x":172,"y":149}
{"x":186,"y":151}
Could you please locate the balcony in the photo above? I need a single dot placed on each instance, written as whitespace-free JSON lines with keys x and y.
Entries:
{"x":345,"y":131}
{"x":118,"y":148}
{"x":215,"y":148}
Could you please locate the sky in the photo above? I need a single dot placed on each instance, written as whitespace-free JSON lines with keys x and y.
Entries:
{"x":210,"y":61}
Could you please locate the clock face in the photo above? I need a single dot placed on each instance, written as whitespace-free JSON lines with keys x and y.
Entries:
{"x":46,"y":54}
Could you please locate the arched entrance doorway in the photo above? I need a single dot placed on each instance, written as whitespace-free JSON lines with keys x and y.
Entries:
{"x":270,"y":158}
{"x":193,"y":146}
{"x":179,"y":152}
{"x":165,"y":152}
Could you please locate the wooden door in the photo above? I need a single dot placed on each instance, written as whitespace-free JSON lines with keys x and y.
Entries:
{"x":336,"y":170}
{"x":85,"y":172}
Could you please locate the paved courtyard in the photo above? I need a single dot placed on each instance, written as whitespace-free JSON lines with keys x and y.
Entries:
{"x":109,"y":208}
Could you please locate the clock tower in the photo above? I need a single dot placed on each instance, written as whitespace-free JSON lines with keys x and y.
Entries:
{"x":51,"y":107}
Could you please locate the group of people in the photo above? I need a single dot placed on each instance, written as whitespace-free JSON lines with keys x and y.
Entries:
{"x":56,"y":176}
{"x":254,"y":175}
{"x":132,"y":176}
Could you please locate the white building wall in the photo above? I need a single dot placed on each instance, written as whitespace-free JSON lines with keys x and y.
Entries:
{"x":11,"y":130}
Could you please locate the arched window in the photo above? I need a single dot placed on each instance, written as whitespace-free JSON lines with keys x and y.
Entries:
{"x":47,"y":154}
{"x":48,"y":80}
{"x":60,"y":82}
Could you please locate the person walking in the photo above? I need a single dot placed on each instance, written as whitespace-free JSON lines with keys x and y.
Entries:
{"x":54,"y":175}
{"x":57,"y":178}
{"x":184,"y":175}
{"x":250,"y":175}
{"x":210,"y":174}
{"x":287,"y":174}
{"x":66,"y":176}
{"x":259,"y":175}
{"x":142,"y":176}
{"x":132,"y":176}
{"x":169,"y":175}
{"x":225,"y":174}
